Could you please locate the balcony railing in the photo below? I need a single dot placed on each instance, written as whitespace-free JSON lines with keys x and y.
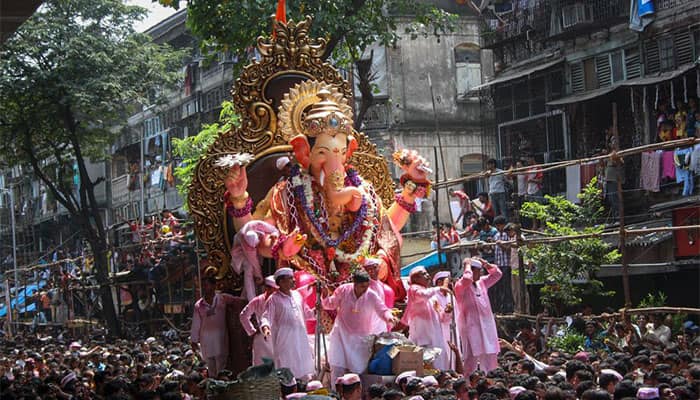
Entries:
{"x":669,"y":4}
{"x":572,"y":18}
{"x":120,"y":189}
{"x":519,"y":24}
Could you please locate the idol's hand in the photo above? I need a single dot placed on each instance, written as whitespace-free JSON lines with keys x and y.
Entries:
{"x":293,"y":243}
{"x":236,"y":182}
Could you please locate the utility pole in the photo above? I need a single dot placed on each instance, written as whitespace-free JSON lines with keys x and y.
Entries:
{"x":621,"y":210}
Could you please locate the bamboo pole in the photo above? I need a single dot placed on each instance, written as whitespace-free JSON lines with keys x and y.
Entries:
{"x":621,"y":211}
{"x":545,"y":167}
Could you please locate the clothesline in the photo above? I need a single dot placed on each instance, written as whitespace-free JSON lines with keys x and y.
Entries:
{"x":555,"y":239}
{"x":545,"y":167}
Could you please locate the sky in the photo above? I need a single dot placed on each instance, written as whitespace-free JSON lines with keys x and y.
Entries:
{"x":156,"y":13}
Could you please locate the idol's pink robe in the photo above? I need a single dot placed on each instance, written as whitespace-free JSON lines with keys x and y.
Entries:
{"x":356,"y":316}
{"x":440,"y":302}
{"x":261,"y":347}
{"x":386,"y":293}
{"x":423,"y":323}
{"x":286,"y":317}
{"x":475,"y":321}
{"x":209,"y":325}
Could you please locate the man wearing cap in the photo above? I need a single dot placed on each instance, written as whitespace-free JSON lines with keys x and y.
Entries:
{"x":357,"y":309}
{"x":421,"y":318}
{"x":209,"y":328}
{"x":284,"y":322}
{"x":352,"y":387}
{"x":256,"y":307}
{"x":443,"y":303}
{"x":384,"y":291}
{"x":475,"y":322}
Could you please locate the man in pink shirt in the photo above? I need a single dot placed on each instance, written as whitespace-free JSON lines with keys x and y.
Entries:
{"x":443,"y":303}
{"x":284,"y":322}
{"x":357,"y":309}
{"x":476,"y":323}
{"x":256,"y":307}
{"x":209,"y":330}
{"x":420,"y":316}
{"x":384,"y":291}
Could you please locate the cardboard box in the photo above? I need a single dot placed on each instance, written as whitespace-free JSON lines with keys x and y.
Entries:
{"x":406,"y":358}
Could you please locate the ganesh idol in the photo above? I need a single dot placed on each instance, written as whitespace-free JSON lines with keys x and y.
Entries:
{"x":323,"y":218}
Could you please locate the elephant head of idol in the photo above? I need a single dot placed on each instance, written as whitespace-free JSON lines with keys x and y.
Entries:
{"x":325,"y":143}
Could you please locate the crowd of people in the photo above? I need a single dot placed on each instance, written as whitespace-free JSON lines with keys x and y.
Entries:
{"x":621,"y":358}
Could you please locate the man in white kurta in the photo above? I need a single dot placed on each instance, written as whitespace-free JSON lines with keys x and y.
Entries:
{"x":443,"y":303}
{"x":357,"y":311}
{"x":209,"y":331}
{"x":254,"y":309}
{"x":475,"y":321}
{"x":384,"y":291}
{"x":284,"y":322}
{"x":420,"y":316}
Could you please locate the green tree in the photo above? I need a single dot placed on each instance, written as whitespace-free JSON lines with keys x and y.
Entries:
{"x":350,"y":26}
{"x":566,"y":269}
{"x":69,"y":77}
{"x":192,"y":148}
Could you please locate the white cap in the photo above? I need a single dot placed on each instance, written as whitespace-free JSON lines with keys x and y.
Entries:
{"x":270,"y":281}
{"x":515,"y":391}
{"x":313,"y":385}
{"x":150,"y":340}
{"x":405,"y":374}
{"x":283,"y":272}
{"x":608,"y":371}
{"x":417,"y":270}
{"x":371,"y":262}
{"x":440,"y":275}
{"x":297,"y":395}
{"x":430,"y":381}
{"x":476,"y":263}
{"x":282,"y":162}
{"x":350,"y":379}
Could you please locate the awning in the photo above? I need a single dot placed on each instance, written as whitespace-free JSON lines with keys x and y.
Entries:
{"x":660,"y":77}
{"x":647,"y":80}
{"x":579,"y":97}
{"x":510,"y":75}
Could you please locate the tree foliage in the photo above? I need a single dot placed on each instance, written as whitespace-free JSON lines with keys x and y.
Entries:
{"x":69,"y":77}
{"x":567,"y":268}
{"x":192,"y":148}
{"x":350,"y":27}
{"x":356,"y":24}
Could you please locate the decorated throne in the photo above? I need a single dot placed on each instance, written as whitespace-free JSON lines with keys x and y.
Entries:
{"x":288,"y":58}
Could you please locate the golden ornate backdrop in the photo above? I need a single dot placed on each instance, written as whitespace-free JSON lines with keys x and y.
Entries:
{"x":286,"y":59}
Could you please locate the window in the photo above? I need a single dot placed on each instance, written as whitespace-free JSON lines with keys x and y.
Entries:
{"x":467,"y":68}
{"x":578,"y":83}
{"x":683,"y":43}
{"x":633,"y":66}
{"x":152,"y":126}
{"x":189,"y":108}
{"x":666,"y":58}
{"x":576,"y":14}
{"x":603,"y":70}
{"x":617,"y":67}
{"x":652,"y":63}
{"x":696,"y":44}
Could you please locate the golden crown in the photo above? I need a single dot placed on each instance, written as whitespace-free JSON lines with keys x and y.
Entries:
{"x":313,"y":108}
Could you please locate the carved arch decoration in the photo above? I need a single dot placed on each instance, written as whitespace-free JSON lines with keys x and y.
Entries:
{"x":289,"y":57}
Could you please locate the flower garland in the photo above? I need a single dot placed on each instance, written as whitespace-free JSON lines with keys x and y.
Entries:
{"x":302,"y":188}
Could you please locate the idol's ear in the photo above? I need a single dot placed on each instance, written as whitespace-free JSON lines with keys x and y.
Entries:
{"x":352,"y":146}
{"x":302,"y":150}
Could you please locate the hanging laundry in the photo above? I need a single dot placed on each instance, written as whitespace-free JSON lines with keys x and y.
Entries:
{"x":588,"y":171}
{"x":681,"y":158}
{"x":155,"y":177}
{"x":573,"y":183}
{"x":695,"y":159}
{"x":650,"y":175}
{"x":668,"y":166}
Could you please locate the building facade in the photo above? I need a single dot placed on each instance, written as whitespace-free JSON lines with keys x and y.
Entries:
{"x":568,"y":72}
